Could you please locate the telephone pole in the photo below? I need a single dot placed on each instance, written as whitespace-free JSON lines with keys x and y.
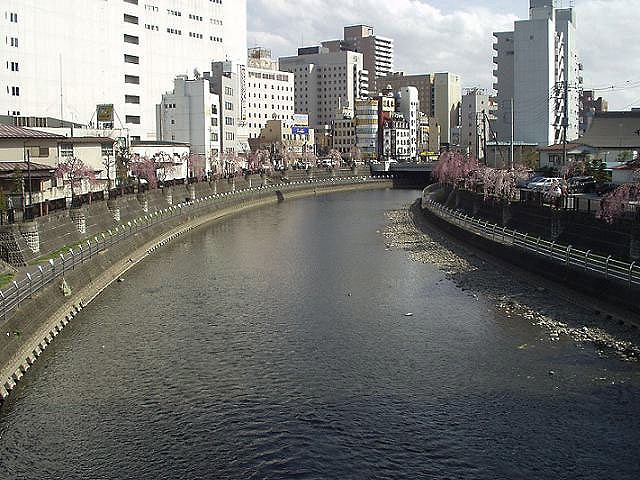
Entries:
{"x":512,"y":135}
{"x":565,"y":122}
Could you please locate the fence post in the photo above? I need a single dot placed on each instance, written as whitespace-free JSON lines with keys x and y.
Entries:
{"x":606,"y":267}
{"x":568,"y":253}
{"x":41,"y":276}
{"x":81,"y":253}
{"x":4,"y":309}
{"x":631,"y":267}
{"x":30,"y":285}
{"x":586,"y":258}
{"x":62,"y":259}
{"x":538,"y":245}
{"x":15,"y":284}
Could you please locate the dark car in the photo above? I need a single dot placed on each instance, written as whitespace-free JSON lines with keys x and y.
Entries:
{"x":604,"y":188}
{"x":581,"y":184}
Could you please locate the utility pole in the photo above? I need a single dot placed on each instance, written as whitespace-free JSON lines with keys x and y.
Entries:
{"x":29,"y":177}
{"x":512,"y":135}
{"x":565,"y":122}
{"x":484,"y":136}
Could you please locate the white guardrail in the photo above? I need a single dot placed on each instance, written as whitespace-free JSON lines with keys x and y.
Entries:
{"x":12,"y":296}
{"x":608,"y":267}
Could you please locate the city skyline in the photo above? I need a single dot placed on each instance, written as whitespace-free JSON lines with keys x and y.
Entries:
{"x":468,"y":51}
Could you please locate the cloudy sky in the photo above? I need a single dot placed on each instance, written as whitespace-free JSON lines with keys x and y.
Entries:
{"x":456,"y":35}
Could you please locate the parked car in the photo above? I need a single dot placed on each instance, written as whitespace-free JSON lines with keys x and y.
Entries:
{"x":523,"y":182}
{"x":586,"y":184}
{"x":604,"y":188}
{"x":544,"y":183}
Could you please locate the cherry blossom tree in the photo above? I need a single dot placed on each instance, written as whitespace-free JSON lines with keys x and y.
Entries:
{"x":310,"y":158}
{"x":452,"y":168}
{"x":614,"y":204}
{"x":144,"y":168}
{"x":336,"y":157}
{"x":74,"y":171}
{"x":355,"y":155}
{"x":196,"y":166}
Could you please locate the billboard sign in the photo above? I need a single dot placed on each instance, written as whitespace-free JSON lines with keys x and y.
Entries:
{"x":300,"y":130}
{"x":105,"y":113}
{"x":300,"y":119}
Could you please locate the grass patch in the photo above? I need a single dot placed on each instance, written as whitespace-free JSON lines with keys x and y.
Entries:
{"x":6,"y":279}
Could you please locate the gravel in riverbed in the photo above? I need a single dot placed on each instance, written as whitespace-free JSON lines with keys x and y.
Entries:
{"x":515,"y":297}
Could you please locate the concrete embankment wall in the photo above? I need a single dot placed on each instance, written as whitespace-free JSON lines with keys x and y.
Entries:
{"x":571,"y":276}
{"x":41,"y":318}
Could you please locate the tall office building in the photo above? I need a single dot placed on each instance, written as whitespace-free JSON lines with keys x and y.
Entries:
{"x":270,"y":92}
{"x":326,"y":82}
{"x":64,"y":57}
{"x":439,"y":95}
{"x":377,"y":52}
{"x":476,"y":115}
{"x":534,"y":64}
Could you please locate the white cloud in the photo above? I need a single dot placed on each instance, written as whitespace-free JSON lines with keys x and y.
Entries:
{"x":456,"y":39}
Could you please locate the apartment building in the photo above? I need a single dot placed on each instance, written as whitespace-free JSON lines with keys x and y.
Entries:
{"x":439,"y":95}
{"x":326,"y":82}
{"x":65,"y":57}
{"x":534,"y":64}
{"x":344,"y":135}
{"x":377,"y":51}
{"x":408,"y":106}
{"x":476,"y":113}
{"x":191,"y":114}
{"x":270,"y":92}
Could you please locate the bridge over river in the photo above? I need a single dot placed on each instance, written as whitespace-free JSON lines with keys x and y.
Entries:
{"x":406,"y":175}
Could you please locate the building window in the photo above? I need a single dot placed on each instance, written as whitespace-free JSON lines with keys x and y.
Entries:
{"x":131,"y":39}
{"x":14,"y":41}
{"x":106,"y":150}
{"x":13,"y":17}
{"x":13,"y":66}
{"x":134,"y":79}
{"x":132,"y":99}
{"x":131,"y":19}
{"x":15,"y":91}
{"x":134,"y":2}
{"x":228,"y":120}
{"x":66,"y":150}
{"x":133,"y":119}
{"x":131,"y":59}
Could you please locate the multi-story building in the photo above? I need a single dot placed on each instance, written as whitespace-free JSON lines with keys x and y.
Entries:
{"x":326,"y":82}
{"x":367,"y":125}
{"x":538,"y":71}
{"x":229,"y":81}
{"x":377,"y":51}
{"x":396,"y":139}
{"x":439,"y":95}
{"x":428,"y":135}
{"x":270,"y":92}
{"x":589,"y":107}
{"x":344,"y":135}
{"x":408,"y":105}
{"x":191,"y":114}
{"x":280,"y":137}
{"x":476,"y":112}
{"x":124,"y":54}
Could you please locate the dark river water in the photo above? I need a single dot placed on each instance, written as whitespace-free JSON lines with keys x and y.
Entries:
{"x":275,"y":345}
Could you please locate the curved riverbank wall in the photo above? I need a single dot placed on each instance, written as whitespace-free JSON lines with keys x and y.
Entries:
{"x":613,"y":281}
{"x":63,"y":287}
{"x":569,"y":226}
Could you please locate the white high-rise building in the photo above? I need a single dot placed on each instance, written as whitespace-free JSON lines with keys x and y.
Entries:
{"x":534,"y":63}
{"x":476,"y":114}
{"x":408,"y":105}
{"x":191,"y":114}
{"x":326,"y":82}
{"x":270,"y":92}
{"x":64,"y":57}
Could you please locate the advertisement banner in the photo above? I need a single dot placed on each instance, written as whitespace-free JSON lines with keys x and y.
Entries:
{"x":105,"y":113}
{"x":301,"y":120}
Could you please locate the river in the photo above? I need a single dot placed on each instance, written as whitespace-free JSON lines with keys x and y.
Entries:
{"x":276,"y":344}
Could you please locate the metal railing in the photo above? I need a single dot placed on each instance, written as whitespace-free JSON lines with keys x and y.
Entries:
{"x":20,"y":291}
{"x":608,"y":267}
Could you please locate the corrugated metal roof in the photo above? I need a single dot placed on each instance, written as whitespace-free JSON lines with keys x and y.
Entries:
{"x":11,"y":166}
{"x":10,"y":131}
{"x":619,"y":130}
